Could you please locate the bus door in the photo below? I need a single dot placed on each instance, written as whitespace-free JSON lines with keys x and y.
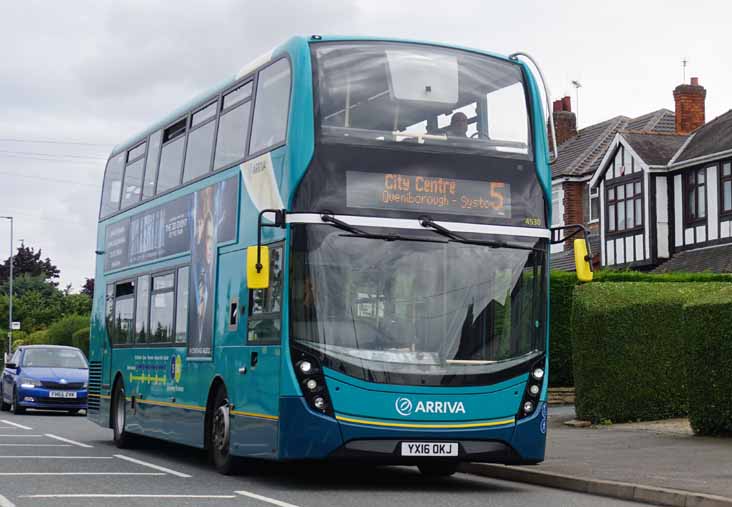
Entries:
{"x":256,"y":388}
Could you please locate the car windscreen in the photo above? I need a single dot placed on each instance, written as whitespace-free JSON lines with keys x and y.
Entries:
{"x":54,"y":358}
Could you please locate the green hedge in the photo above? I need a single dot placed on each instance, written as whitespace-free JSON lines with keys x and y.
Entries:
{"x":560,"y":333}
{"x":708,"y":327}
{"x":629,"y":349}
{"x":80,"y":339}
{"x":561,"y":301}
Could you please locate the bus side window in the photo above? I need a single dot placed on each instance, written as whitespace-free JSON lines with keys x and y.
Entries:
{"x":271,"y":106}
{"x":112,"y":187}
{"x":171,"y":157}
{"x":109,"y":310}
{"x":124,"y":311}
{"x":132,"y":185}
{"x":181,"y":306}
{"x":142,"y":326}
{"x":151,"y":166}
{"x":265,"y":305}
{"x":162,"y":302}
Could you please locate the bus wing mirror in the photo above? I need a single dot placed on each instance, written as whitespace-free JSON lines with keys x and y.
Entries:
{"x":582,"y":261}
{"x":258,"y":267}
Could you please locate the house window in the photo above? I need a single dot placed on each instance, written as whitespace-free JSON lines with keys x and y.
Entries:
{"x":696,"y":203}
{"x":725,"y":187}
{"x":624,"y":206}
{"x":594,"y":205}
{"x":557,"y":206}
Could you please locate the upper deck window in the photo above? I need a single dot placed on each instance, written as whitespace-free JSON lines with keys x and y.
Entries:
{"x":112,"y":185}
{"x":271,"y":106}
{"x":437,"y":98}
{"x":171,"y":158}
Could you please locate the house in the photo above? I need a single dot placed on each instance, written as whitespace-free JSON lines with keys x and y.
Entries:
{"x":580,"y":155}
{"x":665,"y":199}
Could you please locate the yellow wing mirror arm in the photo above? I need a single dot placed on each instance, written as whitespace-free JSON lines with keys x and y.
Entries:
{"x":582,"y":250}
{"x":258,"y":256}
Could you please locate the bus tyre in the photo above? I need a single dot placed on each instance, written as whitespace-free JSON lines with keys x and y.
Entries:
{"x":14,"y":407}
{"x":122,"y":438}
{"x":220,"y":432}
{"x":438,"y":469}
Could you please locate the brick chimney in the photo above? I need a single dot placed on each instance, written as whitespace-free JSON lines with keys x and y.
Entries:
{"x":689,"y":106}
{"x":565,"y":121}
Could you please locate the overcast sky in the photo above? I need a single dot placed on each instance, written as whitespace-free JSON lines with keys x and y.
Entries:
{"x":88,"y":74}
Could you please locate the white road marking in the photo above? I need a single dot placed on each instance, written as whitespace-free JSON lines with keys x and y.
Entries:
{"x":15,"y":424}
{"x":35,"y":445}
{"x":56,"y":457}
{"x":21,"y":474}
{"x":73,"y":442}
{"x":150,"y":465}
{"x":101,"y":495}
{"x":4,"y":502}
{"x":279,"y":503}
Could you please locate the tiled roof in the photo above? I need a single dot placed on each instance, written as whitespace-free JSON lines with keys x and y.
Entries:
{"x":717,"y":259}
{"x":582,"y":154}
{"x":711,"y":138}
{"x":654,"y":149}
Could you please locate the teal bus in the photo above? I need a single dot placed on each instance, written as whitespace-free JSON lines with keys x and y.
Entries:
{"x":341,"y":253}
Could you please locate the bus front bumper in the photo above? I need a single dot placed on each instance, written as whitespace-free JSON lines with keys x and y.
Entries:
{"x":315,"y":436}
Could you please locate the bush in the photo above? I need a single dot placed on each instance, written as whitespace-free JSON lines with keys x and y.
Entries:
{"x":709,"y":343}
{"x":629,"y":349}
{"x":560,"y":334}
{"x":609,"y":275}
{"x":80,"y":339}
{"x":61,"y":332}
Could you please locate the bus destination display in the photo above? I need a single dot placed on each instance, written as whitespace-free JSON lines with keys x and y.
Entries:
{"x":396,"y":191}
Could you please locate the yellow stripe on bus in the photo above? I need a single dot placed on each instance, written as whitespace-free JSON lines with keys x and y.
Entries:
{"x":253,"y":414}
{"x":427,"y":426}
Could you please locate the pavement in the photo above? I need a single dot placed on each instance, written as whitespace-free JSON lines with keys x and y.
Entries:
{"x":661,"y":462}
{"x":51,"y":460}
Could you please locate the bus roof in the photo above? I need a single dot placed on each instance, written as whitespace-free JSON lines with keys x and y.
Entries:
{"x":200,"y":98}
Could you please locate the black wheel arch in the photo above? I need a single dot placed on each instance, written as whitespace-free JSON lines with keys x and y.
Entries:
{"x":216,"y":384}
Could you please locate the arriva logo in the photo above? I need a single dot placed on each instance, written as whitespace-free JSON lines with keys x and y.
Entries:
{"x":405,"y":407}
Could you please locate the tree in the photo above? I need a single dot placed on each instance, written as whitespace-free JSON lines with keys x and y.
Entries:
{"x":28,"y":261}
{"x":88,"y":287}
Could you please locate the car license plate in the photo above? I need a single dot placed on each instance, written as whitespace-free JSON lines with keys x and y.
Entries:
{"x":62,"y":394}
{"x":429,"y":449}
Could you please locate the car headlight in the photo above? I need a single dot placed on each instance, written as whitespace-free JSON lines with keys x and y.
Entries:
{"x":29,"y":383}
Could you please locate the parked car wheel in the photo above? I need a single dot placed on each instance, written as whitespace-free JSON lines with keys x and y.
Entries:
{"x":14,"y":407}
{"x":3,"y":406}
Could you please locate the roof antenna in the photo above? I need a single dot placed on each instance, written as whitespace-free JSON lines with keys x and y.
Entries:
{"x":684,"y":62}
{"x":577,"y":85}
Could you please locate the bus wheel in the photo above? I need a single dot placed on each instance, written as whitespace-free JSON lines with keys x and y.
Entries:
{"x":220,"y":431}
{"x":437,"y":469}
{"x":122,"y":438}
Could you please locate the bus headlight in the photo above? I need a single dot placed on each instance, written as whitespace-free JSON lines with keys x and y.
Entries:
{"x":534,"y":389}
{"x":305,"y":366}
{"x":528,"y":407}
{"x":311,"y":379}
{"x":538,"y":373}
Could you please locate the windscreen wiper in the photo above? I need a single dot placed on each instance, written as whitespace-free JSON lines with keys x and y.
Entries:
{"x":356,"y":232}
{"x":427,"y":222}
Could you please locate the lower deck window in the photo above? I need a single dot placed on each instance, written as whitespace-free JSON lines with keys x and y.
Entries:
{"x":265,"y":304}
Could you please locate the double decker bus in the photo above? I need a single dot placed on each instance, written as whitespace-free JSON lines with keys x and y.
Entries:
{"x":341,"y":252}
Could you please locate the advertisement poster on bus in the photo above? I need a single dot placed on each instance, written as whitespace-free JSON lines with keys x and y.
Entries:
{"x":215,"y":222}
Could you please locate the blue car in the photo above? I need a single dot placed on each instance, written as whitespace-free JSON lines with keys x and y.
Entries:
{"x":46,"y":377}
